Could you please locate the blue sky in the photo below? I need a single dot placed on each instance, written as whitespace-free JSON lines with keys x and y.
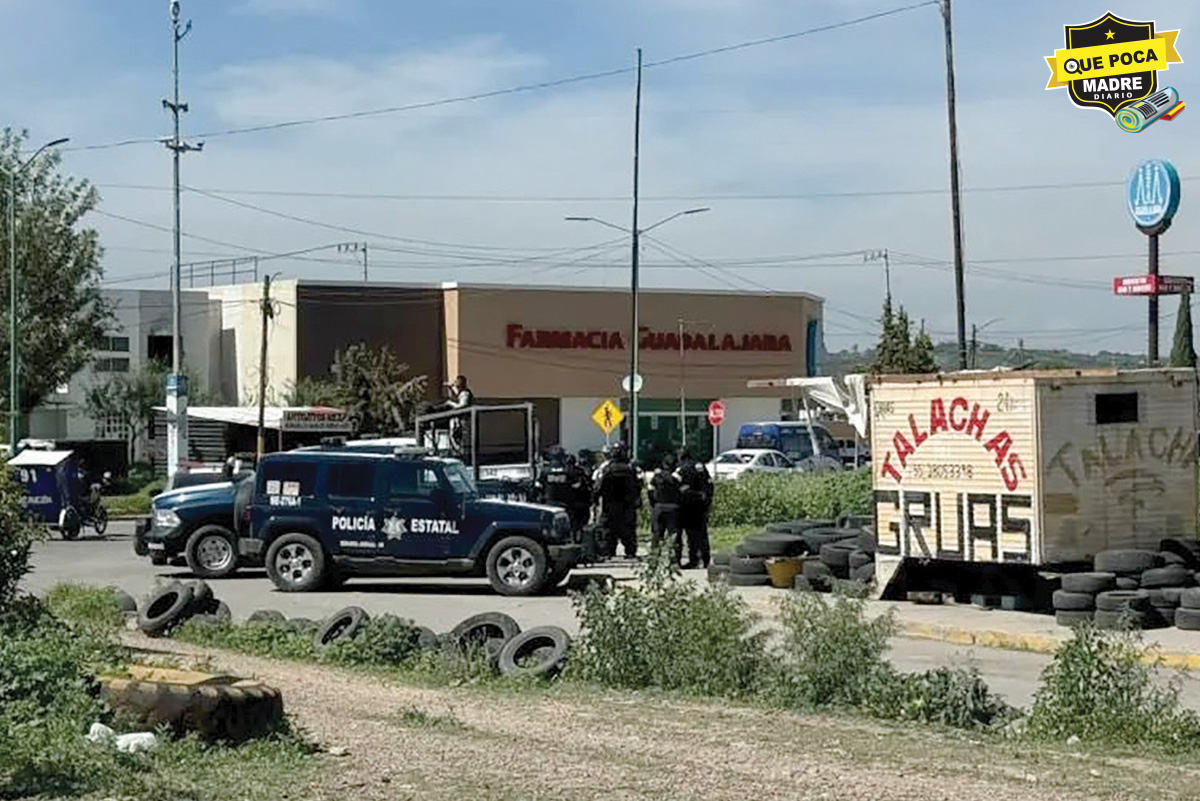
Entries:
{"x":857,"y":111}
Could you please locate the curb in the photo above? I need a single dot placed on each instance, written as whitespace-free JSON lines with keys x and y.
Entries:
{"x":1035,"y":643}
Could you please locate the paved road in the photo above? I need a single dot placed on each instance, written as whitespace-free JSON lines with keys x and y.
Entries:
{"x":441,"y":604}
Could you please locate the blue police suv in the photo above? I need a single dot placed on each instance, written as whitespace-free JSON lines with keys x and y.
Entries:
{"x":319,"y":516}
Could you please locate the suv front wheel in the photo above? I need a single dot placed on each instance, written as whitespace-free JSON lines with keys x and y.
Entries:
{"x":517,"y":566}
{"x":296,"y":563}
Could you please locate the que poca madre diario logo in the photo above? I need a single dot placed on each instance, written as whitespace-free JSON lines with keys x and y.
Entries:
{"x":1113,"y":64}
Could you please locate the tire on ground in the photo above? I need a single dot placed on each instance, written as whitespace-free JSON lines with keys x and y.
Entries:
{"x":266,"y":616}
{"x":863,"y":573}
{"x":203,"y":602}
{"x":485,"y":632}
{"x":296,"y":563}
{"x":774,"y":544}
{"x":816,"y":537}
{"x":1187,"y":618}
{"x":302,"y":625}
{"x":540,"y":651}
{"x":1073,"y":601}
{"x":1186,"y":549}
{"x":747,"y":579}
{"x":866,"y":541}
{"x":1128,"y":582}
{"x":124,"y":601}
{"x":1121,"y":600}
{"x":345,"y":623}
{"x":1120,"y":620}
{"x":233,"y":712}
{"x":1069,"y":617}
{"x":1090,"y":583}
{"x":1169,"y":576}
{"x":1127,"y":561}
{"x":427,"y":639}
{"x":211,"y":537}
{"x":747,"y":565}
{"x":837,"y":554}
{"x":717,"y":573}
{"x":223,"y":612}
{"x":1189,"y":598}
{"x":1165,"y":597}
{"x":859,"y":558}
{"x":166,"y":608}
{"x":721,"y":558}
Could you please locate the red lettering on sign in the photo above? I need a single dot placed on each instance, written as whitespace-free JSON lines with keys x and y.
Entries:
{"x":903,"y":448}
{"x":918,"y":436}
{"x":999,"y":445}
{"x":517,"y":336}
{"x":958,"y":403}
{"x":513,"y":334}
{"x":965,"y":418}
{"x":937,"y":416}
{"x":978,"y":421}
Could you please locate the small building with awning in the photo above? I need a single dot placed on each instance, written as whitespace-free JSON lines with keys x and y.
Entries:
{"x":216,"y":432}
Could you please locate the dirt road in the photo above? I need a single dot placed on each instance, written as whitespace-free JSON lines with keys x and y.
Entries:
{"x":405,"y":742}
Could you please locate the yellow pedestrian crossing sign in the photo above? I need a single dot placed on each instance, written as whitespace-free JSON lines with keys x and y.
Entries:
{"x":607,"y":416}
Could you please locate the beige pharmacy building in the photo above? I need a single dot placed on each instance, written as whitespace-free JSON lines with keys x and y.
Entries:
{"x":565,"y":349}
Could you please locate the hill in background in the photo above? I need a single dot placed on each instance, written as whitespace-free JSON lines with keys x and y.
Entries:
{"x":988,"y":356}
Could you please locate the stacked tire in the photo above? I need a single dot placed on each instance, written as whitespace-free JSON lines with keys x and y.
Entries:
{"x":847,"y":554}
{"x":1129,"y":588}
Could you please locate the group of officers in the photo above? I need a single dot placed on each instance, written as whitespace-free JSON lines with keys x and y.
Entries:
{"x":680,"y":495}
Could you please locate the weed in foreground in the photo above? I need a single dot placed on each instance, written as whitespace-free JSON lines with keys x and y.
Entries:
{"x":1100,"y":689}
{"x":416,"y":718}
{"x":669,"y":634}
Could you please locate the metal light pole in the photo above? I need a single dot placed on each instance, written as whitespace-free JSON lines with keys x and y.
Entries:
{"x":177,"y":389}
{"x":633,"y":356}
{"x":14,"y":405}
{"x":633,"y":325}
{"x":877,"y":255}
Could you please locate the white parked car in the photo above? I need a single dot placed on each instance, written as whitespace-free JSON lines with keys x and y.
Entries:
{"x":740,"y":461}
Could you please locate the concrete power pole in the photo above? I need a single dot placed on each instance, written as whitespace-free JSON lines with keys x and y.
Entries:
{"x":955,"y":193}
{"x":177,"y":388}
{"x":267,"y":313}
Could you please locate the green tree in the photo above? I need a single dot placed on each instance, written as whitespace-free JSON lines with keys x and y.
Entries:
{"x":371,"y":385}
{"x":61,"y":316}
{"x":1183,"y":352}
{"x":898,"y":352}
{"x":131,"y":398}
{"x":310,"y":391}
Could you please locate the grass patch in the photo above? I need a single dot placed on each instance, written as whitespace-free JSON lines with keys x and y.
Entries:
{"x":1100,"y":689}
{"x":760,"y":498}
{"x":413,"y":717}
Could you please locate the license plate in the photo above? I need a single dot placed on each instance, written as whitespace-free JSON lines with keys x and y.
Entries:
{"x":156,"y":546}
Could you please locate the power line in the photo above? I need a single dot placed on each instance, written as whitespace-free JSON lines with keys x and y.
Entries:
{"x":709,"y":196}
{"x":519,"y":89}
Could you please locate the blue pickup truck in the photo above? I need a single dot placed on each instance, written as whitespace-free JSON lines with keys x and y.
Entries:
{"x":199,"y":525}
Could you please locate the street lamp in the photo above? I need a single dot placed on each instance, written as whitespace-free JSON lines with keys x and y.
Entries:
{"x":14,"y":408}
{"x":636,"y":233}
{"x":975,"y":329}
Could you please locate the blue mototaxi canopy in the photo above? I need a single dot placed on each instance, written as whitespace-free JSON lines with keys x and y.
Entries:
{"x":40,"y":472}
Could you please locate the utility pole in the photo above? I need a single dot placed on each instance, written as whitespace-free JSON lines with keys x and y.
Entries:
{"x":267,"y":312}
{"x":633,"y":328}
{"x":955,"y":193}
{"x":682,"y":397}
{"x":877,"y":255}
{"x":974,"y":345}
{"x":356,"y":247}
{"x":177,"y":389}
{"x":1152,"y":350}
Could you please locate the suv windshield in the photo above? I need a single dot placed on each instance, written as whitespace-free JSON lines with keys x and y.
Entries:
{"x":460,"y":479}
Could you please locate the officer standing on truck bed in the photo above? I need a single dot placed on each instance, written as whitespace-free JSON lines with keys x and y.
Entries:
{"x":664,"y":500}
{"x":696,"y":492}
{"x":620,"y":495}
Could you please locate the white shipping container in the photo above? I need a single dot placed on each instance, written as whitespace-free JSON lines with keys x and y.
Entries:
{"x":1033,"y":468}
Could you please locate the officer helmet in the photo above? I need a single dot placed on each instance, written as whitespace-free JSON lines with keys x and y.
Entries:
{"x":618,"y":453}
{"x":668,"y":462}
{"x":683,"y":455}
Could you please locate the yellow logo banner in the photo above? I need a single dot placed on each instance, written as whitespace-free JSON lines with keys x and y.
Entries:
{"x":1110,"y":60}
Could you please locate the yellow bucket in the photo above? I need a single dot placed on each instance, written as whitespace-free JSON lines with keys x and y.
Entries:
{"x":783,"y":570}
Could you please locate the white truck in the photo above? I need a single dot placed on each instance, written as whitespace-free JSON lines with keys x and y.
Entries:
{"x":986,"y":482}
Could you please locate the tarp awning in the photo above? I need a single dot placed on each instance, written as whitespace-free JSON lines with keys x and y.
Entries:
{"x":847,"y":394}
{"x":39,"y":458}
{"x":288,"y":418}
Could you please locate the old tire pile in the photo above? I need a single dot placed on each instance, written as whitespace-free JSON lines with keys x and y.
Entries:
{"x":540,"y":652}
{"x":842,"y":549}
{"x":215,"y":707}
{"x":1131,"y":588}
{"x":171,"y":605}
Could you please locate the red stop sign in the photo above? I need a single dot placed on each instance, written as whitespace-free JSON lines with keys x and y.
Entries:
{"x":716,"y":413}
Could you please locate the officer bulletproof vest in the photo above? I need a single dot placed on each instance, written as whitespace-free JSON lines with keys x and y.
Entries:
{"x":616,"y":483}
{"x":666,"y":488}
{"x":558,"y":487}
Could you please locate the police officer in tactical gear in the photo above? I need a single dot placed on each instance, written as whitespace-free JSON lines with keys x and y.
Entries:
{"x":555,"y":480}
{"x":580,"y":475}
{"x":620,"y":498}
{"x":664,"y":500}
{"x":695,"y":501}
